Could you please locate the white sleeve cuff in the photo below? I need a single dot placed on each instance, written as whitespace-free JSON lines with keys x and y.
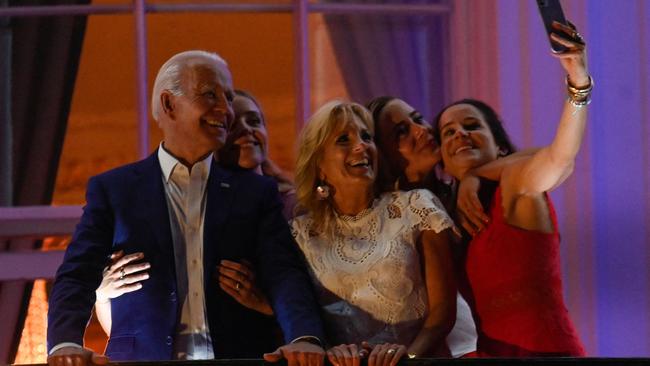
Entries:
{"x":64,"y":344}
{"x":307,"y":338}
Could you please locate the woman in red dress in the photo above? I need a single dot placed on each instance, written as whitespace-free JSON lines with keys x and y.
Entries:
{"x":513,"y":264}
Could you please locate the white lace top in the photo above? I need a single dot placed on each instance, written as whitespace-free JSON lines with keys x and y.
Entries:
{"x":368,"y":276}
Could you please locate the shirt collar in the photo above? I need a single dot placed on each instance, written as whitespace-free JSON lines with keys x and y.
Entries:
{"x":168,"y":162}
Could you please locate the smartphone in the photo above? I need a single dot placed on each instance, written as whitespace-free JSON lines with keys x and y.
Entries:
{"x":551,"y":10}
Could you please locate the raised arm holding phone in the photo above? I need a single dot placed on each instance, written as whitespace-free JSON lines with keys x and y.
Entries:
{"x":513,"y":263}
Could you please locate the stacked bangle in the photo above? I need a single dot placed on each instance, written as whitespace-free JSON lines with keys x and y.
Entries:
{"x":579,"y":97}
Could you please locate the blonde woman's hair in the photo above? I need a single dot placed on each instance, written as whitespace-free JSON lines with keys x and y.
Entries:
{"x":328,"y":119}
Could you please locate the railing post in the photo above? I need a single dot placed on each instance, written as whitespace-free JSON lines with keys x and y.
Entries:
{"x":301,"y":55}
{"x":139,"y":13}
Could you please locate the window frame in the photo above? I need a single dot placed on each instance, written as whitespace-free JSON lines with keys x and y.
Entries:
{"x":17,"y":222}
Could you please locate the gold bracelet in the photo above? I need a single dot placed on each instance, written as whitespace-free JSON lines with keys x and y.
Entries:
{"x":579,"y":97}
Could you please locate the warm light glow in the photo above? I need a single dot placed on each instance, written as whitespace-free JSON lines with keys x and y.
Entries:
{"x":32,"y":348}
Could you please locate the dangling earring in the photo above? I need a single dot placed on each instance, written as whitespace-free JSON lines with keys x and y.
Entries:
{"x":322,"y":191}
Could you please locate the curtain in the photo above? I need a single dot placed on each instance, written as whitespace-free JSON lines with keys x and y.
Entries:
{"x":45,"y":57}
{"x":395,"y":55}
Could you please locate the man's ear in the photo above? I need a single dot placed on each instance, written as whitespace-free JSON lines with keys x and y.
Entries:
{"x":167,"y":103}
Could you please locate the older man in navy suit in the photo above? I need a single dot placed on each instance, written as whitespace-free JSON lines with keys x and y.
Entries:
{"x":186,"y":215}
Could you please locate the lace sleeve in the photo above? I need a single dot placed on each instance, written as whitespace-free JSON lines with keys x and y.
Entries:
{"x":299,"y":229}
{"x":295,"y":226}
{"x":426,"y":211}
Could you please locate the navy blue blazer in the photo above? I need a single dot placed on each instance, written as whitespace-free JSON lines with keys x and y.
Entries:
{"x":126,"y":209}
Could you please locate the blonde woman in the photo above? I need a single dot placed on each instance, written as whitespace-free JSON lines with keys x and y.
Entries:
{"x":380,"y":263}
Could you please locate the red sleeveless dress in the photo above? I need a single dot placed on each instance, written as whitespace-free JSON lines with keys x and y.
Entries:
{"x":516,"y":291}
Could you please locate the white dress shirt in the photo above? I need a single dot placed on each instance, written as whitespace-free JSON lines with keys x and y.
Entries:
{"x":186,"y":195}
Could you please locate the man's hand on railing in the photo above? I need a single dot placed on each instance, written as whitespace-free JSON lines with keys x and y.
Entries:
{"x":298,"y":354}
{"x":75,"y":356}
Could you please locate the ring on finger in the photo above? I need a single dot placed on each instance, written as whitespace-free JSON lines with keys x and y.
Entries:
{"x":237,"y":286}
{"x":122,"y":273}
{"x":578,"y":37}
{"x":390,"y":351}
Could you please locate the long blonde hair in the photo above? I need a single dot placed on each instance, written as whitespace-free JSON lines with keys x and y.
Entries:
{"x":328,"y":119}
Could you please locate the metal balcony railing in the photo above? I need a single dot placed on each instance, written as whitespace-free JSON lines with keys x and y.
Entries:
{"x":561,"y":361}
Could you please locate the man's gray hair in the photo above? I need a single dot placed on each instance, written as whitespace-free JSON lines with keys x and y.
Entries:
{"x":169,"y":75}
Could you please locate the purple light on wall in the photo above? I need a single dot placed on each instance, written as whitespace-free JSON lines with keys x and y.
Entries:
{"x":620,"y":142}
{"x":603,"y":209}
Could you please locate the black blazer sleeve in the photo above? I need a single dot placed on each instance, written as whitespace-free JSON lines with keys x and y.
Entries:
{"x":73,"y":293}
{"x":284,"y":274}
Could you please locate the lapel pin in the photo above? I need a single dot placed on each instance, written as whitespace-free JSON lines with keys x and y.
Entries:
{"x":225,"y":185}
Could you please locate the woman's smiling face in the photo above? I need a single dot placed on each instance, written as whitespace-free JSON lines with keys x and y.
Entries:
{"x":247,"y":141}
{"x":466,"y":139}
{"x":406,"y":139}
{"x":349,"y":156}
